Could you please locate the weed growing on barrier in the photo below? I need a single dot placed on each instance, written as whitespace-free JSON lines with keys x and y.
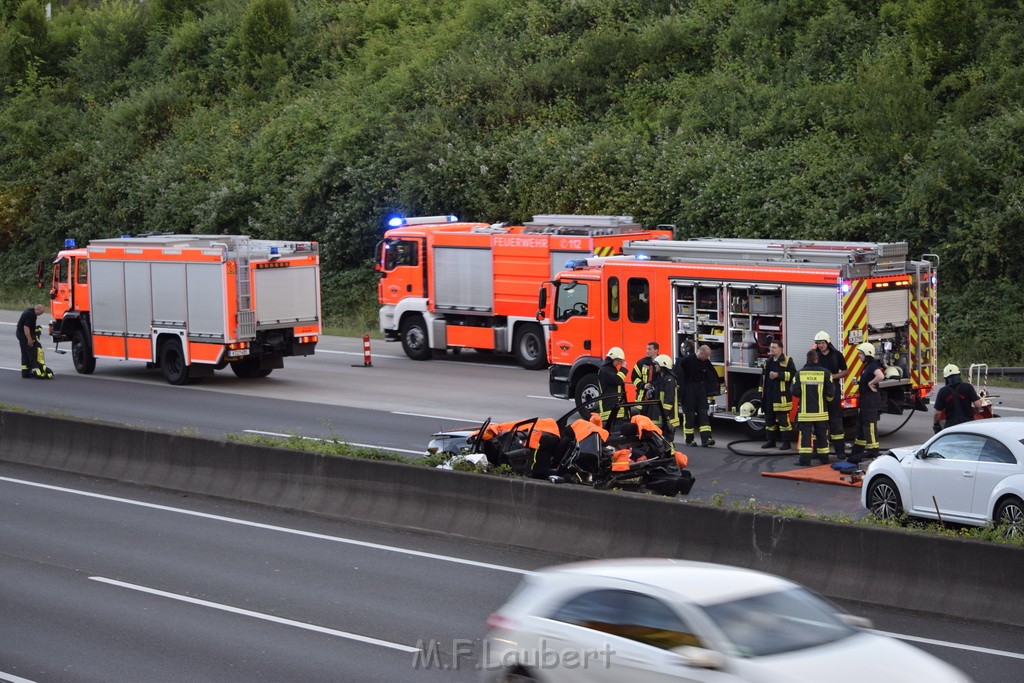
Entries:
{"x":321,"y":446}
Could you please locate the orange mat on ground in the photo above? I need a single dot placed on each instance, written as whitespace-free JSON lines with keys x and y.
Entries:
{"x":821,"y":474}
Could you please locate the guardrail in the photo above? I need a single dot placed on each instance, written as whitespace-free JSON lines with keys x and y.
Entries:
{"x":947,"y":576}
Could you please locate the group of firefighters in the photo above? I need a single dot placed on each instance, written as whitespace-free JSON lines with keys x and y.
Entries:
{"x":681,"y":390}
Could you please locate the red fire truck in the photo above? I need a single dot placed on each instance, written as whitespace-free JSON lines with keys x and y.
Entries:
{"x":736,"y":296}
{"x":189,"y":304}
{"x":447,"y":284}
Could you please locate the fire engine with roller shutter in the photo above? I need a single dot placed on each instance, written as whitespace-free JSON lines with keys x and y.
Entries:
{"x":189,"y":304}
{"x":446,"y":284}
{"x":736,"y":296}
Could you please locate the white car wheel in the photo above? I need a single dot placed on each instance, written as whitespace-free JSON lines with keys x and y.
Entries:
{"x":1010,"y":517}
{"x":884,"y":499}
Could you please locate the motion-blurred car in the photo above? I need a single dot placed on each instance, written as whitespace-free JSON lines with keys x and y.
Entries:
{"x":670,"y":620}
{"x":973,"y":473}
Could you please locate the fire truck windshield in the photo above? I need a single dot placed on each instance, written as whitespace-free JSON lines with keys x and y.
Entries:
{"x":571,"y":298}
{"x":400,"y":253}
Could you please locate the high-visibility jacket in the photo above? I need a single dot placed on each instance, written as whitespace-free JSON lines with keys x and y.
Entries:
{"x":644,"y":424}
{"x":667,"y":396}
{"x":775,"y":392}
{"x":610,"y":381}
{"x":545,"y":425}
{"x":621,"y":460}
{"x":641,"y":375}
{"x":581,"y":429}
{"x":814,"y":388}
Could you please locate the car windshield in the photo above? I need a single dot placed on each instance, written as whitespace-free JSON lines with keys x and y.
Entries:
{"x":779,"y":622}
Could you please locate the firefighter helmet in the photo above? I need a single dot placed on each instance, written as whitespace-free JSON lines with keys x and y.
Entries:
{"x":615,"y":353}
{"x":893,"y":372}
{"x":664,"y":361}
{"x":748,"y":409}
{"x":950,"y":370}
{"x":867,"y":349}
{"x":823,"y":336}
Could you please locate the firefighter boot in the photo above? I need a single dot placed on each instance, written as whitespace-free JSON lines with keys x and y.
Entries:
{"x":25,"y":372}
{"x":708,"y":441}
{"x":785,"y":446}
{"x":840,"y":446}
{"x":768,"y":444}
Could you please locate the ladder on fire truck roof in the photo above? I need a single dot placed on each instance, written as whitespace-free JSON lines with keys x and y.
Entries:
{"x":559,"y":224}
{"x":874,"y":256}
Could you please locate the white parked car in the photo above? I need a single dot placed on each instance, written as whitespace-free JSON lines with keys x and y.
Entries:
{"x":671,"y":620}
{"x":973,"y":473}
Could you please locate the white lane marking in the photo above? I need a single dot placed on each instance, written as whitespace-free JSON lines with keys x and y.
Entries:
{"x":2,"y":673}
{"x":350,"y":443}
{"x":996,"y":409}
{"x":11,"y":678}
{"x":357,"y":353}
{"x":955,"y":646}
{"x":271,"y":527}
{"x":256,"y":615}
{"x":550,"y":398}
{"x":438,"y":417}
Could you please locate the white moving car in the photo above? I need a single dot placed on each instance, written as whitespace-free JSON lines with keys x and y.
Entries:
{"x":972,"y":473}
{"x":670,"y":620}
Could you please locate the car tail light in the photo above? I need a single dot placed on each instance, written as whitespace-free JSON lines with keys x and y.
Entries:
{"x":499,"y":621}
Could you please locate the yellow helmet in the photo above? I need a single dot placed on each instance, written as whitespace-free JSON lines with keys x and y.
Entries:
{"x":867,"y":349}
{"x":823,"y":336}
{"x":748,"y":410}
{"x":664,"y":361}
{"x":615,"y":353}
{"x":950,"y":370}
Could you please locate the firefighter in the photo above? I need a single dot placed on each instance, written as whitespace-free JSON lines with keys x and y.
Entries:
{"x":955,"y":402}
{"x":814,"y":389}
{"x":666,"y":393}
{"x":698,"y":380}
{"x":866,"y":442}
{"x":832,"y":360}
{"x":643,"y":373}
{"x":25,"y":333}
{"x":776,"y":400}
{"x":611,"y":382}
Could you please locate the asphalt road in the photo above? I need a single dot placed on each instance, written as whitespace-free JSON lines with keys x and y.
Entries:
{"x":101,"y":581}
{"x":396,"y":405}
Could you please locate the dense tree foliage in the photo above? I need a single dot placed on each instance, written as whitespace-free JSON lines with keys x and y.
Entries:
{"x":837,"y":119}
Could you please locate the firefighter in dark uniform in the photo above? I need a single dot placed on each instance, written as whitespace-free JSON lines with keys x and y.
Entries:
{"x":666,"y":393}
{"x":25,"y":332}
{"x":870,"y":403}
{"x":698,"y":380}
{"x":611,"y":379}
{"x":642,"y":376}
{"x":776,"y":400}
{"x":956,"y":402}
{"x":814,"y":389}
{"x":834,"y":363}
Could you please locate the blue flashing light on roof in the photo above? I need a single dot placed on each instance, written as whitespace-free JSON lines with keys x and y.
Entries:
{"x":69,"y":243}
{"x":396,"y":221}
{"x":126,"y":237}
{"x":573,"y":264}
{"x":273,"y":250}
{"x":452,"y":218}
{"x":643,"y":257}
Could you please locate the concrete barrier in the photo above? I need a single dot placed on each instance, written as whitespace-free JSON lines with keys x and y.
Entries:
{"x":947,"y":576}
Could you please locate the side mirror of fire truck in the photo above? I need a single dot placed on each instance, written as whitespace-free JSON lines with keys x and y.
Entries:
{"x":542,"y":301}
{"x":40,"y":270}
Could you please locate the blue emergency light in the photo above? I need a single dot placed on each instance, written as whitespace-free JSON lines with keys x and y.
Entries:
{"x":573,"y":264}
{"x":395,"y":221}
{"x":642,"y":257}
{"x":452,"y":218}
{"x":69,"y":243}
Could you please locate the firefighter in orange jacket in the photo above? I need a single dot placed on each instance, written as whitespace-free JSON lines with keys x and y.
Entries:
{"x":776,"y":399}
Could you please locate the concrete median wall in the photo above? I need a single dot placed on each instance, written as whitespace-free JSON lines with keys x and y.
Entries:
{"x":969,"y":579}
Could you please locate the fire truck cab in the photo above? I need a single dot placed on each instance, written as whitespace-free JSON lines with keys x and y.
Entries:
{"x":736,"y":296}
{"x":446,"y":284}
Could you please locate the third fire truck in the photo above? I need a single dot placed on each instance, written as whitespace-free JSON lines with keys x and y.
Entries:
{"x":447,"y":284}
{"x":736,"y":296}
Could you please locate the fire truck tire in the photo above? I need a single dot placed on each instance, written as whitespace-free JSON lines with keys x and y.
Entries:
{"x":415,"y":341}
{"x":754,"y":429}
{"x":81,"y":354}
{"x":528,"y":346}
{"x":587,"y":389}
{"x":249,"y":369}
{"x":172,"y":363}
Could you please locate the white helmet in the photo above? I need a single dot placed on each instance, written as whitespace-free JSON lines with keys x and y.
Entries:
{"x":748,"y":410}
{"x":664,"y":361}
{"x":950,"y":370}
{"x":893,"y":372}
{"x":615,"y":353}
{"x":823,"y":336}
{"x":867,"y":349}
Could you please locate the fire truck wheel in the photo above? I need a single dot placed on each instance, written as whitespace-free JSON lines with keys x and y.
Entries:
{"x":81,"y":354}
{"x":587,"y":389}
{"x":753,"y":428}
{"x":415,"y":341}
{"x":528,"y":345}
{"x":172,"y":363}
